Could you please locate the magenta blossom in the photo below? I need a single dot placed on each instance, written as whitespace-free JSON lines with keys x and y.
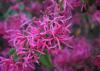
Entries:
{"x":96,"y":16}
{"x":62,"y":59}
{"x":31,"y":37}
{"x":11,"y":65}
{"x":97,"y":61}
{"x":81,"y":50}
{"x":98,"y":3}
{"x":2,"y":30}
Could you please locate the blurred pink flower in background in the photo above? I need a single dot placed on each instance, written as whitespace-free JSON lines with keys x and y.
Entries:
{"x":2,"y":28}
{"x":97,"y":61}
{"x":81,"y":50}
{"x":98,"y":3}
{"x":96,"y":16}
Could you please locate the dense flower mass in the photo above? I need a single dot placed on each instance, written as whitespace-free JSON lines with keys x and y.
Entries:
{"x":49,"y":35}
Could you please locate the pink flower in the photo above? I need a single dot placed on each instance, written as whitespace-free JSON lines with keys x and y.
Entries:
{"x":97,"y":61}
{"x":29,"y":37}
{"x":72,"y":3}
{"x":98,"y":3}
{"x":81,"y":50}
{"x":11,"y":65}
{"x":77,"y":18}
{"x":14,"y":22}
{"x":23,"y":38}
{"x":62,"y":59}
{"x":96,"y":16}
{"x":2,"y":30}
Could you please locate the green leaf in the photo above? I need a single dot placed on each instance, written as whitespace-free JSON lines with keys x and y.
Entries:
{"x":28,"y":14}
{"x":45,"y":60}
{"x":16,"y":57}
{"x":85,"y":17}
{"x":9,"y":12}
{"x":83,"y":1}
{"x":14,"y":54}
{"x":22,"y":7}
{"x":12,"y":51}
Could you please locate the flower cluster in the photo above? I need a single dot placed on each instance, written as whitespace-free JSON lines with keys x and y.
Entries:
{"x":49,"y":35}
